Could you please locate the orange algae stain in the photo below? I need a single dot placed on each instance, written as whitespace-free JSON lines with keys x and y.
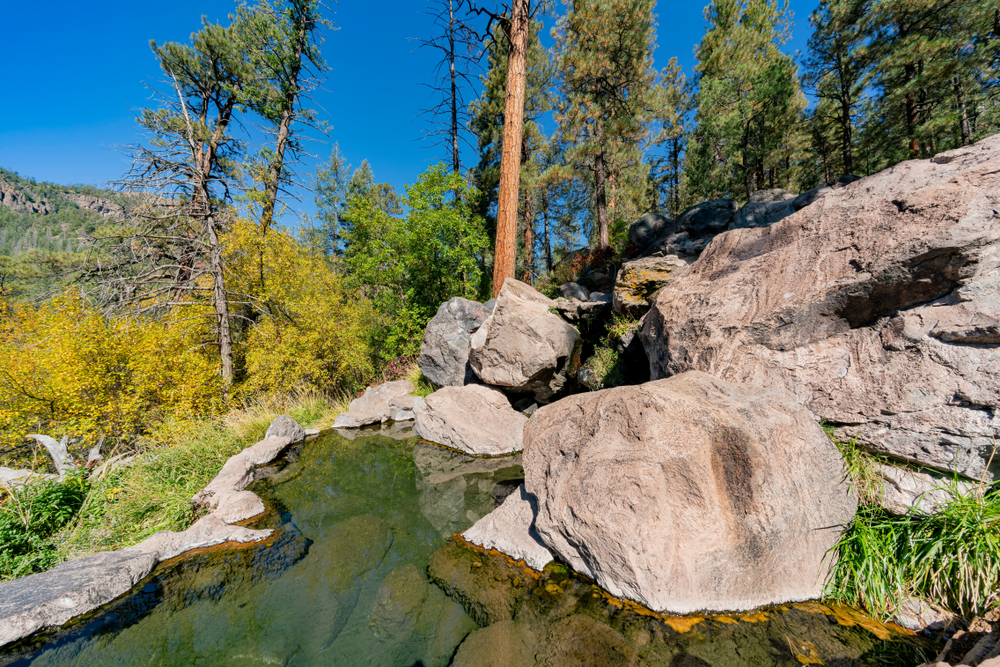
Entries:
{"x":805,"y":652}
{"x":849,"y":617}
{"x":225,"y":546}
{"x":682,"y":624}
{"x":726,"y":620}
{"x":758,"y":617}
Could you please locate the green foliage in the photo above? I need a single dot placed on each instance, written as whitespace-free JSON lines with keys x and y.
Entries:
{"x":30,"y":515}
{"x":749,"y":101}
{"x":604,"y":368}
{"x":408,"y":265}
{"x":951,"y":557}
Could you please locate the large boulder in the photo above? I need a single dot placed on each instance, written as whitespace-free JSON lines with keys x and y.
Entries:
{"x":510,"y":530}
{"x":811,"y":196}
{"x":646,"y":229}
{"x":762,"y":214}
{"x":373,"y":406}
{"x":639,"y":280}
{"x":694,"y":228}
{"x":574,"y":291}
{"x":474,"y":419}
{"x":877,"y":308}
{"x":444,"y":353}
{"x":523,"y":347}
{"x":689,"y":493}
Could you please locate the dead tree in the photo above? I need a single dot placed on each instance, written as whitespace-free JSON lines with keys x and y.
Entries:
{"x":460,"y":50}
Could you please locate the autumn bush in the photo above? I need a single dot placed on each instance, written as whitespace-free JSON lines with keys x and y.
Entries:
{"x":65,"y":369}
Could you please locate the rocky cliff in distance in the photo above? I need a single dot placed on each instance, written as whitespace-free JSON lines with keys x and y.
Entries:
{"x":26,"y":196}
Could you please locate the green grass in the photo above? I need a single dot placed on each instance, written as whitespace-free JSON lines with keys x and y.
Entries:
{"x":951,"y":557}
{"x":153,"y":490}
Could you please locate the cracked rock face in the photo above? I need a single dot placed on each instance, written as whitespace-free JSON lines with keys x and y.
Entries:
{"x":688,"y":494}
{"x":522,"y":347}
{"x":877,"y":307}
{"x":444,"y":353}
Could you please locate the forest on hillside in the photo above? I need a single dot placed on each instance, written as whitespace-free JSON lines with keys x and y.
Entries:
{"x":197,"y":298}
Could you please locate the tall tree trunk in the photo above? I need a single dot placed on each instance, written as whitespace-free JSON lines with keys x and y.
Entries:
{"x":600,"y":189}
{"x":964,"y":127}
{"x":220,"y":303}
{"x":529,"y":241}
{"x":505,"y":262}
{"x":846,"y":128}
{"x":548,"y":242}
{"x":455,"y":166}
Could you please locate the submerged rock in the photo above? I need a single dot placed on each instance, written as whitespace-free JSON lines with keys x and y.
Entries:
{"x":373,"y":407}
{"x":524,"y":348}
{"x":893,"y":276}
{"x":510,"y":529}
{"x":689,"y":493}
{"x":559,"y":618}
{"x":444,"y":353}
{"x":474,"y":419}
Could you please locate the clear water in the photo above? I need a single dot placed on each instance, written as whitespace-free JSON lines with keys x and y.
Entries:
{"x":343,"y":583}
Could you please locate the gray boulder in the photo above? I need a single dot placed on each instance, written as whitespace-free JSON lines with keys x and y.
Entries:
{"x":444,"y":353}
{"x":474,"y":419}
{"x":689,"y":494}
{"x":574,"y":291}
{"x":524,"y":348}
{"x":284,"y":426}
{"x":771,"y":196}
{"x":877,"y":310}
{"x":694,"y":228}
{"x":510,"y":530}
{"x":373,"y":407}
{"x":647,"y":228}
{"x":905,"y":490}
{"x":762,"y":214}
{"x":403,"y":408}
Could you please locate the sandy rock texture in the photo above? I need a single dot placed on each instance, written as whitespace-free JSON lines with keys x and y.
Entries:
{"x":689,"y":493}
{"x":524,"y":348}
{"x":877,"y":307}
{"x":474,"y":419}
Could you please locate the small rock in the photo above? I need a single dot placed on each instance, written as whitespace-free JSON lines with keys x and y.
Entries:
{"x":474,"y":419}
{"x":574,"y":291}
{"x":647,"y":228}
{"x":403,"y":408}
{"x":284,"y":426}
{"x":372,"y":407}
{"x":905,"y":490}
{"x":640,"y":280}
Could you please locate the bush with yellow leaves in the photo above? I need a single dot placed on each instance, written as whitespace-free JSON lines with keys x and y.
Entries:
{"x":67,"y":370}
{"x":309,"y":333}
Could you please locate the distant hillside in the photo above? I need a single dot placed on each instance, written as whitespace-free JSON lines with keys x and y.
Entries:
{"x":49,"y":218}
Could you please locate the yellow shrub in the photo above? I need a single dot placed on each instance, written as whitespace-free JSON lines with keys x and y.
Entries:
{"x":314,"y":335}
{"x":67,"y":370}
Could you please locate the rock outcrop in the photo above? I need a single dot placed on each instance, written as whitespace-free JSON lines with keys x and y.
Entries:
{"x":688,"y":494}
{"x":639,"y":281}
{"x":877,"y":307}
{"x":574,"y":291}
{"x":444,"y":353}
{"x":284,"y":426}
{"x":373,"y":407}
{"x":905,"y":490}
{"x":647,"y":228}
{"x":474,"y":419}
{"x":522,"y":347}
{"x":510,"y":529}
{"x":694,"y":228}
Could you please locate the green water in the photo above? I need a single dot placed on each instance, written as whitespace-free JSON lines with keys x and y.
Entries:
{"x":361,"y":524}
{"x":344,"y":583}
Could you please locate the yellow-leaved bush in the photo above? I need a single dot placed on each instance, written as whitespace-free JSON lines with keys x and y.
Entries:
{"x":314,"y":336}
{"x":65,"y":369}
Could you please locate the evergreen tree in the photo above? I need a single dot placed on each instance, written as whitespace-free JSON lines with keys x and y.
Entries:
{"x":487,"y":121}
{"x":605,"y":57}
{"x":673,"y":109}
{"x":933,"y":62}
{"x":749,"y":100}
{"x":836,"y":70}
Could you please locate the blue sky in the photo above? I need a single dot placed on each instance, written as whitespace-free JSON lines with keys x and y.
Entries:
{"x":76,"y":71}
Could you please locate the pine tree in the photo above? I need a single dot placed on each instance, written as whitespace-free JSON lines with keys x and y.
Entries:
{"x":673,"y":109}
{"x":605,"y":58}
{"x":487,"y":121}
{"x":749,"y":100}
{"x":836,"y":69}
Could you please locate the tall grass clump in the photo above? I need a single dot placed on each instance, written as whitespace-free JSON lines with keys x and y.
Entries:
{"x":951,"y":557}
